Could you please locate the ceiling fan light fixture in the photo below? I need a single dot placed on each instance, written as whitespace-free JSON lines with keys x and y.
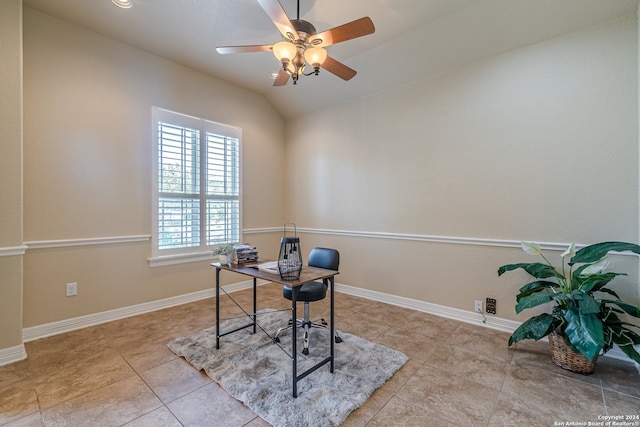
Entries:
{"x":125,"y":4}
{"x":302,"y":45}
{"x":285,"y":51}
{"x":315,"y":56}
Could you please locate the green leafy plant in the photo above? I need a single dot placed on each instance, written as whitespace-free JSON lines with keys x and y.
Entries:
{"x":223,"y":250}
{"x":585,"y":312}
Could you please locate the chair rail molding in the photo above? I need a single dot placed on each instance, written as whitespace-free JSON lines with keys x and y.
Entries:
{"x":474,"y":241}
{"x":62,"y":243}
{"x":13,"y":250}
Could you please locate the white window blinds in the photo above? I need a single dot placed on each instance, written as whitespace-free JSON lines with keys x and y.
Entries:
{"x":197,"y":184}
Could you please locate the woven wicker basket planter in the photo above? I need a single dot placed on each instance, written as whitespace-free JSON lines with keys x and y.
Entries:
{"x":568,"y":359}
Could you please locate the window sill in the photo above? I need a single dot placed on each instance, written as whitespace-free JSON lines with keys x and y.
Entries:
{"x":162,"y":261}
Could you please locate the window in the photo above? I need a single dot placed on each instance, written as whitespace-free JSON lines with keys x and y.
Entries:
{"x":196,"y":199}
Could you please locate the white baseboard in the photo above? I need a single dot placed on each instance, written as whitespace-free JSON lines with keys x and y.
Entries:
{"x":492,"y":322}
{"x":435,"y":309}
{"x":54,"y":328}
{"x":68,"y":325}
{"x":12,"y":354}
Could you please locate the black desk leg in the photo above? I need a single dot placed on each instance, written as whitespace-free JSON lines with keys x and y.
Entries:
{"x":294,"y":337}
{"x":217,"y":307}
{"x":255,"y":305}
{"x":332,"y":327}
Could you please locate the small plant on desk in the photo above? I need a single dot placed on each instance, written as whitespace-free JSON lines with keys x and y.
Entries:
{"x":223,"y":252}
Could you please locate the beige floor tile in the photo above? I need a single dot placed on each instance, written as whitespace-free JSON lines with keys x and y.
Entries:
{"x":18,"y":400}
{"x":536,"y":354}
{"x":33,"y":420}
{"x":149,"y":332}
{"x":400,"y":378}
{"x":398,"y":412}
{"x":161,"y":417}
{"x":15,"y":372}
{"x":452,"y":398}
{"x":533,"y":353}
{"x":147,"y":356}
{"x":348,"y":305}
{"x":483,"y":341}
{"x":386,"y":313}
{"x":428,"y":325}
{"x":622,"y":404}
{"x":516,"y":411}
{"x":618,"y":375}
{"x":121,"y":372}
{"x":411,"y":343}
{"x":62,"y":350}
{"x":478,"y":367}
{"x":65,"y":382}
{"x":573,"y":402}
{"x":536,"y":391}
{"x":362,"y":327}
{"x":174,"y":379}
{"x":210,"y":406}
{"x":361,"y":416}
{"x":115,"y":404}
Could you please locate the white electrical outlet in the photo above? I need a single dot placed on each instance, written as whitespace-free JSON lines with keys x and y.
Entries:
{"x":72,"y":289}
{"x":478,"y":306}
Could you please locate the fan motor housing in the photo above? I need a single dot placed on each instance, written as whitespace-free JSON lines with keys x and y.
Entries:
{"x":305,"y":27}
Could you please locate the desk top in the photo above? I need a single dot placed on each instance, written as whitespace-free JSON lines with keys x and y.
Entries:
{"x":308,"y":274}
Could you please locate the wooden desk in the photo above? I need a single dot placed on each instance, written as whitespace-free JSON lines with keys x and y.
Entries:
{"x":308,"y":274}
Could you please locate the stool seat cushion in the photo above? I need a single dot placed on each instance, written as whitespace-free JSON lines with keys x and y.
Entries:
{"x":312,"y":291}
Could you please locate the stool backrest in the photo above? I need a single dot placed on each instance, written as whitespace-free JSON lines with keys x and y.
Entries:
{"x":324,"y":258}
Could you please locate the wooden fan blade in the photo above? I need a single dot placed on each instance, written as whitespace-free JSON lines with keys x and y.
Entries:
{"x":282,"y":78}
{"x":243,"y":49}
{"x":338,"y":68}
{"x":274,"y":9}
{"x":358,"y":28}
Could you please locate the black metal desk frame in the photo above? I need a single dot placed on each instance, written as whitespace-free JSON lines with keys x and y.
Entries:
{"x":308,"y":274}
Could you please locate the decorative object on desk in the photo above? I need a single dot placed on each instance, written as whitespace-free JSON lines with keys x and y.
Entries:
{"x":245,"y":253}
{"x":290,"y":257}
{"x":223,"y":252}
{"x":254,"y":370}
{"x":269,"y":267}
{"x":588,"y":324}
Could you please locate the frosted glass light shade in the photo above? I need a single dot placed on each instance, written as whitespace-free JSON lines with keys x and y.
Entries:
{"x":315,"y":55}
{"x":125,"y":4}
{"x":285,"y":51}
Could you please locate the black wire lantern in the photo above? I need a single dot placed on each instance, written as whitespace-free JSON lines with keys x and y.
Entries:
{"x":290,"y":257}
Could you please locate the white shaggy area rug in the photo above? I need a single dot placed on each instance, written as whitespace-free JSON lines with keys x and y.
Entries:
{"x":256,"y":371}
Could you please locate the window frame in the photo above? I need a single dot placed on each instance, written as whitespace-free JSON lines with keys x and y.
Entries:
{"x":203,"y":126}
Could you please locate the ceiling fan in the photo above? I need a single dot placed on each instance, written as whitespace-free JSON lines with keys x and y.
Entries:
{"x":303,"y":45}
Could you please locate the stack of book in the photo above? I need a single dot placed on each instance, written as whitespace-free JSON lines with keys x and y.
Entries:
{"x":245,"y":253}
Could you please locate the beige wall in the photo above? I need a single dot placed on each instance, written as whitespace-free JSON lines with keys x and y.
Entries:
{"x":10,"y":173}
{"x":87,"y":138}
{"x":537,"y":144}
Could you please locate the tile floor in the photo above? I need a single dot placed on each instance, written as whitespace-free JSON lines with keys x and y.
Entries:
{"x":122,"y":373}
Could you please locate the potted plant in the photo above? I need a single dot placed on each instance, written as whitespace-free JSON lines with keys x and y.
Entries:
{"x":584,"y":315}
{"x":224,"y":253}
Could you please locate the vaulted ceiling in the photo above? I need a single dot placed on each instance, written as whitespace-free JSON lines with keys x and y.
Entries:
{"x":414,"y":39}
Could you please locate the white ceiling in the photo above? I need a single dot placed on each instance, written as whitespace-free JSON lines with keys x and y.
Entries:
{"x":414,"y":38}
